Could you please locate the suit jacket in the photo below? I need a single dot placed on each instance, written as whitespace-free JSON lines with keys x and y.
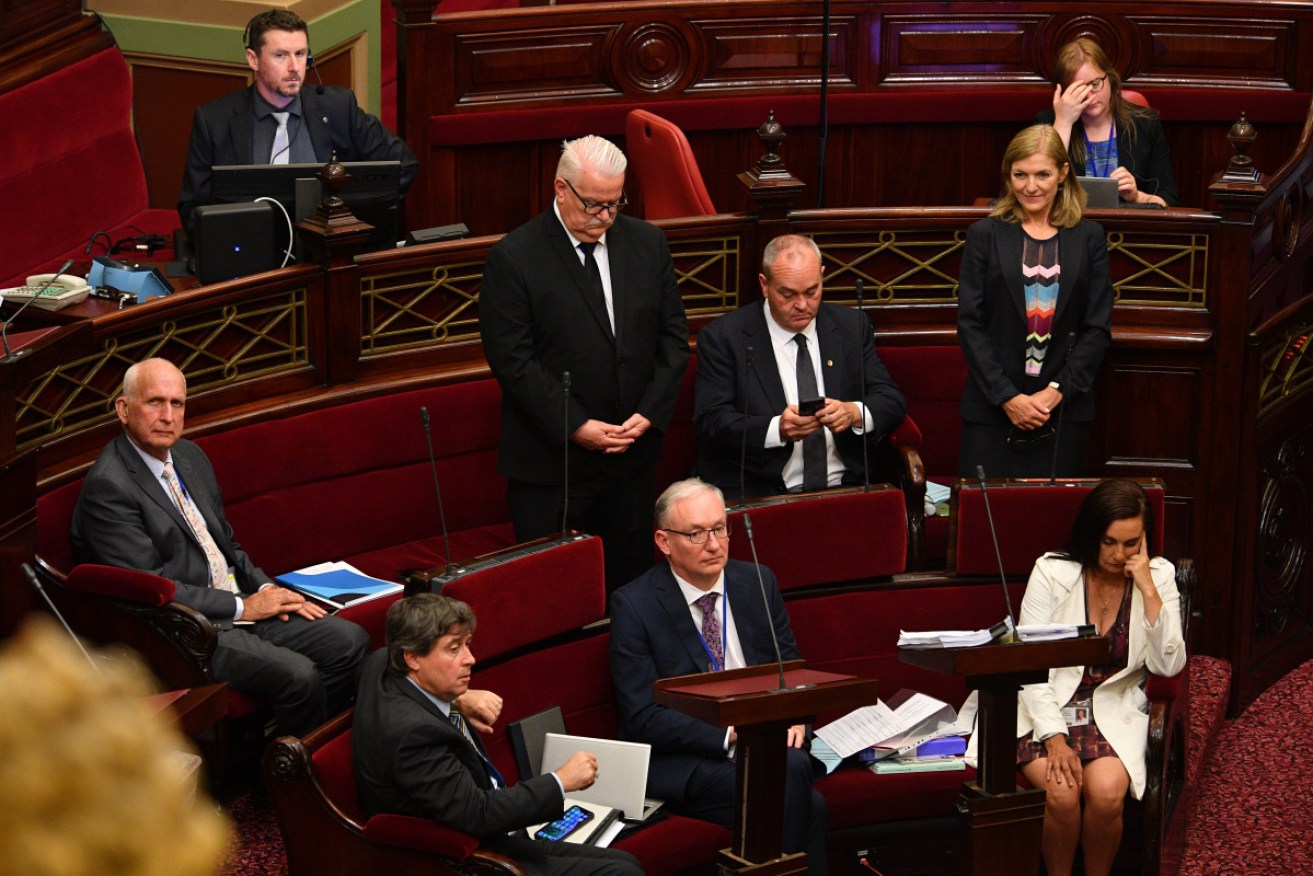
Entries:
{"x":410,"y":760}
{"x":1055,"y":594}
{"x":1145,"y":155}
{"x":539,"y":320}
{"x":125,"y":518}
{"x":221,"y":134}
{"x":725,"y":388}
{"x":991,"y":320}
{"x":653,"y":636}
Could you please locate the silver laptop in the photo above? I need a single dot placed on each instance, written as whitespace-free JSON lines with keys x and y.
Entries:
{"x":1101,"y":192}
{"x":621,"y":771}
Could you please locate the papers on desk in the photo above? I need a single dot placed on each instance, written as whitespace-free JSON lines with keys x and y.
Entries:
{"x":338,"y":585}
{"x":908,"y":720}
{"x":954,"y":638}
{"x":1050,"y":632}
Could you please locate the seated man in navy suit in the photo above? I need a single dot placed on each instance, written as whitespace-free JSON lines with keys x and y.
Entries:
{"x":758,"y":364}
{"x":702,"y":611}
{"x":414,"y":753}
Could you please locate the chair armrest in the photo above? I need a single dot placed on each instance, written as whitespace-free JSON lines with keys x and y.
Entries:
{"x":420,"y":834}
{"x":1165,"y":803}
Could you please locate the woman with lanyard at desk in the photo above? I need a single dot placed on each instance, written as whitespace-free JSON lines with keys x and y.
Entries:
{"x":1105,"y":134}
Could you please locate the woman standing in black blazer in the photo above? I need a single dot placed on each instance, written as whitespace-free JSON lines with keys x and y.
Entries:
{"x":1034,"y":318}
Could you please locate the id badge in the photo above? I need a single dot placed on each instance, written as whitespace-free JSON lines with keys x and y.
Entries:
{"x":1077,"y":714}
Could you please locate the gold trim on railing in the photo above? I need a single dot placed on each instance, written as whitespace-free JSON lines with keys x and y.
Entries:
{"x":707,"y":271}
{"x":1287,"y":370}
{"x":901,"y":266}
{"x":420,"y":307}
{"x":240,"y":341}
{"x":1159,"y":270}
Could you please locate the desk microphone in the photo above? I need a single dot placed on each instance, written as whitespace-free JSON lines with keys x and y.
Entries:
{"x":1062,"y":407}
{"x":36,"y":583}
{"x":761,"y":584}
{"x":10,"y":355}
{"x":861,"y":365}
{"x":743,"y":439}
{"x":311,"y":64}
{"x":993,"y":533}
{"x":442,"y":514}
{"x":565,"y":424}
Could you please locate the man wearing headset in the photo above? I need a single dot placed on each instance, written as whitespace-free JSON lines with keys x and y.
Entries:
{"x":276,"y":121}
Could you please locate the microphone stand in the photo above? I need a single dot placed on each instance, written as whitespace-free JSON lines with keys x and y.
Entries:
{"x":1062,"y":408}
{"x":825,"y":102}
{"x":565,"y":422}
{"x":36,"y":583}
{"x":761,"y":585}
{"x":10,"y":355}
{"x":743,"y":439}
{"x":993,"y":533}
{"x":861,"y":364}
{"x":442,"y":513}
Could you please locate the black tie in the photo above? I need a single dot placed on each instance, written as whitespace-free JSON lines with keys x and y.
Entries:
{"x":813,"y":446}
{"x":595,"y":278}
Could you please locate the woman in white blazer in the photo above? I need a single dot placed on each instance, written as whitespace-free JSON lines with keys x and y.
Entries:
{"x":1083,"y":733}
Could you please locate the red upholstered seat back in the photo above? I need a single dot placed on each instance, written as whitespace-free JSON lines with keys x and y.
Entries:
{"x":128,"y":584}
{"x":811,"y":540}
{"x":679,"y":449}
{"x":54,"y":517}
{"x":665,"y":168}
{"x":354,"y":478}
{"x":1134,"y":97}
{"x":337,"y":775}
{"x":68,"y":144}
{"x":556,"y":589}
{"x":931,"y":379}
{"x":1032,"y":518}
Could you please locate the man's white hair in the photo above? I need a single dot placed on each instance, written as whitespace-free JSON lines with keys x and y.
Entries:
{"x":678,"y":492}
{"x":591,"y":152}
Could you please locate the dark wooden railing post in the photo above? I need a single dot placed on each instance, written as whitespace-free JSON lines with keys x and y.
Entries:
{"x":333,"y":237}
{"x":772,"y":188}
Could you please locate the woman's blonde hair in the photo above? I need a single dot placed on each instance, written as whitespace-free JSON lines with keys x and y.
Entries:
{"x":93,"y":781}
{"x":1071,"y":58}
{"x":1069,"y":204}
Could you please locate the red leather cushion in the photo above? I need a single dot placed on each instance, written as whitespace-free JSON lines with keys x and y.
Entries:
{"x":54,"y":519}
{"x":810,"y":541}
{"x":858,"y":796}
{"x":675,"y":844}
{"x":127,"y":584}
{"x":420,"y":834}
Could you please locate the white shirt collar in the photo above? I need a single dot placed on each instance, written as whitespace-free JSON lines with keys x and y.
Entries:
{"x":155,"y":465}
{"x":556,"y":208}
{"x":780,"y":336}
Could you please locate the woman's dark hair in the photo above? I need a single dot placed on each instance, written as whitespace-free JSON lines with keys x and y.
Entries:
{"x":415,"y":624}
{"x":1112,"y":500}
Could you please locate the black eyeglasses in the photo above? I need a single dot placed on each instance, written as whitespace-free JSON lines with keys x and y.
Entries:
{"x":1097,"y":84}
{"x":700,"y":536}
{"x":597,"y":209}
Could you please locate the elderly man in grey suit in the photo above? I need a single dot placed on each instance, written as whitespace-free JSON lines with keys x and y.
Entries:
{"x":152,"y":502}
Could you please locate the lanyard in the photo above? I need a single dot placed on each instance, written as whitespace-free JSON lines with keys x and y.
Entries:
{"x":724,"y":633}
{"x":1090,"y":164}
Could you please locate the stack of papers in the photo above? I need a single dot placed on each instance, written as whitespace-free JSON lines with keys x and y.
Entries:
{"x":953,"y":638}
{"x":909,"y":720}
{"x":1048,"y":632}
{"x":338,"y":584}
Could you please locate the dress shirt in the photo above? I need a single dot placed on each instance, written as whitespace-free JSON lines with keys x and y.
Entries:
{"x":601,"y":256}
{"x":156,"y":467}
{"x":786,"y":358}
{"x":733,"y":650}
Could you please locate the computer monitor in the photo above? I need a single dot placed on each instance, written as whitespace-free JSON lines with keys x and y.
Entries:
{"x":373,"y":192}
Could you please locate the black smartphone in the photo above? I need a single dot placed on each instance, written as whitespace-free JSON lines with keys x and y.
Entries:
{"x":808,"y":407}
{"x":567,"y":824}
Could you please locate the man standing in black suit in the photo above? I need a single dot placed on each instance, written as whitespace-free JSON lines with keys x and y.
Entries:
{"x":757,"y":363}
{"x":414,"y":753}
{"x":584,"y":290}
{"x":275,"y":122}
{"x":703,"y":612}
{"x":152,"y":502}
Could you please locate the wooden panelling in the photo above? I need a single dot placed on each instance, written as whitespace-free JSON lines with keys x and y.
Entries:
{"x":1154,"y":438}
{"x":777,"y":52}
{"x":1247,"y":53}
{"x":939,"y":48}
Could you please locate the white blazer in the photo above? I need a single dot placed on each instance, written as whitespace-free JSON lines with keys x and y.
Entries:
{"x":1054,"y":595}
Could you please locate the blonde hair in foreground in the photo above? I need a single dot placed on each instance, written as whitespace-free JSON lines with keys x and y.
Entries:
{"x":1068,"y":206}
{"x":91,"y":778}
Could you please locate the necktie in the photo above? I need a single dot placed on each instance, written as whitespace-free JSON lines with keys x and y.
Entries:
{"x":213,"y":556}
{"x":711,"y":628}
{"x":458,"y":721}
{"x":813,"y":446}
{"x":281,"y":150}
{"x":595,"y":279}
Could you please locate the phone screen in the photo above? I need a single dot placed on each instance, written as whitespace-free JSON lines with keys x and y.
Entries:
{"x":565,"y":825}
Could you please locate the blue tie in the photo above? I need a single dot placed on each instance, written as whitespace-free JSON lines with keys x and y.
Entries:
{"x":458,"y":722}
